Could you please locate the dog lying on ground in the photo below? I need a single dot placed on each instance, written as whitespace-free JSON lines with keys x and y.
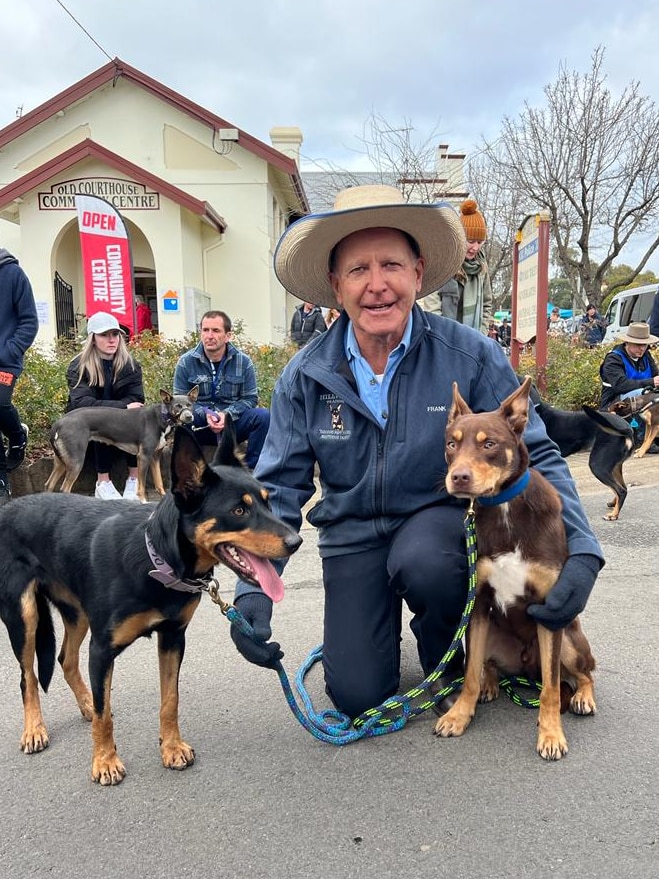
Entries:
{"x":646,"y":407}
{"x":124,"y":571}
{"x":521,"y":547}
{"x":607,"y":435}
{"x":140,"y":432}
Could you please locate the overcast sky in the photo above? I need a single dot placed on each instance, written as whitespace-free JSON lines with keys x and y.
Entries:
{"x":325,"y":65}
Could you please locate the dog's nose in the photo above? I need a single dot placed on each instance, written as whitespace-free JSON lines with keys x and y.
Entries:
{"x":461,"y":477}
{"x":292,"y":543}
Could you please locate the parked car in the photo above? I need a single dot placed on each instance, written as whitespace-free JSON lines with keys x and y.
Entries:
{"x":627,"y":307}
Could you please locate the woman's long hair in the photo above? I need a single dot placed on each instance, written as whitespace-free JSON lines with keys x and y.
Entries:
{"x":90,"y":362}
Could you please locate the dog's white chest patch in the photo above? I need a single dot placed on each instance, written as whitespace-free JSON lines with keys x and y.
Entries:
{"x":507,"y":576}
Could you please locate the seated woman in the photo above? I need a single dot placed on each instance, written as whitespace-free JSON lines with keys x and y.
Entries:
{"x":105,"y":374}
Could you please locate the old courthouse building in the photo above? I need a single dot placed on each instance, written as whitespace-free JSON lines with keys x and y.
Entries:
{"x":204,"y":202}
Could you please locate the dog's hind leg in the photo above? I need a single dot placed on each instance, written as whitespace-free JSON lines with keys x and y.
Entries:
{"x":552,"y":744}
{"x":175,"y":753}
{"x":75,"y":631}
{"x":56,"y":475}
{"x":25,"y":628}
{"x":578,"y":662}
{"x":605,"y":462}
{"x":650,"y":435}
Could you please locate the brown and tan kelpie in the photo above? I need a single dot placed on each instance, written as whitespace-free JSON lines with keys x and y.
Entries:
{"x":123,"y":571}
{"x":521,"y":548}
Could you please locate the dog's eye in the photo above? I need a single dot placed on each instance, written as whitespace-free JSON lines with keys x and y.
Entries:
{"x":489,"y":444}
{"x":240,"y":511}
{"x":450,"y":444}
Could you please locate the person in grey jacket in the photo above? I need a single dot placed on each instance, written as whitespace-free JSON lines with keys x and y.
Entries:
{"x":367,"y":404}
{"x":18,"y":328}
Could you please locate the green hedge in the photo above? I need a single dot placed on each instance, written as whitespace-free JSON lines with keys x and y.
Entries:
{"x":41,"y":392}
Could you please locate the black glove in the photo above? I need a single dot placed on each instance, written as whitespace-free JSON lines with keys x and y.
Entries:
{"x":256,"y":609}
{"x":569,"y":594}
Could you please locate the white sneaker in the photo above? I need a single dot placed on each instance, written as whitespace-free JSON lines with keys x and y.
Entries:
{"x":130,"y":489}
{"x":106,"y":491}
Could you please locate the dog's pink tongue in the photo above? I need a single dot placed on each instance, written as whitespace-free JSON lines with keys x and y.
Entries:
{"x":269,"y":579}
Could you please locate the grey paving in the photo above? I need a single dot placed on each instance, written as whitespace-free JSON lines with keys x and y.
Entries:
{"x":265,"y":799}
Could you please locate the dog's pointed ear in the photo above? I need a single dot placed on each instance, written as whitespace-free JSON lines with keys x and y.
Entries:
{"x":458,"y":407}
{"x":226,"y":451}
{"x":165,"y":396}
{"x":193,"y":393}
{"x":515,"y":408}
{"x":189,"y":469}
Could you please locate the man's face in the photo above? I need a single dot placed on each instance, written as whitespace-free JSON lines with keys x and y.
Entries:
{"x":213,"y":336}
{"x":376,"y":278}
{"x":635,"y":350}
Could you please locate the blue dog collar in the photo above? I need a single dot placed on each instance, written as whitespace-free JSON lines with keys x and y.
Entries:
{"x":511,"y":492}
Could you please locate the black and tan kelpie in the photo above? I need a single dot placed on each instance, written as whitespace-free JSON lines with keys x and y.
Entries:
{"x":521,"y":546}
{"x":141,"y":431}
{"x":123,"y":571}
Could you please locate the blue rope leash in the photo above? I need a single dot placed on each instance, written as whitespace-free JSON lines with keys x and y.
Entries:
{"x":336,"y":728}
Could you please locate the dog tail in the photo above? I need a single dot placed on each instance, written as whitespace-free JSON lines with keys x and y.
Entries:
{"x":609,"y":422}
{"x":45,"y":641}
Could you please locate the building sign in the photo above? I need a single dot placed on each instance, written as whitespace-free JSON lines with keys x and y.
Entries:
{"x":527,"y":280}
{"x":106,"y":260}
{"x":121,"y":194}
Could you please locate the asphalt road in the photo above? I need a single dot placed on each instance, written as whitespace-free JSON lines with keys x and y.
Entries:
{"x":266,"y":799}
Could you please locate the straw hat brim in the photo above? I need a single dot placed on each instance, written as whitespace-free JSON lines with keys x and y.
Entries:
{"x":650,"y":340}
{"x":302,"y":255}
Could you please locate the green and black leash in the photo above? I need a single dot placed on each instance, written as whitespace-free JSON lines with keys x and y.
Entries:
{"x":336,"y":728}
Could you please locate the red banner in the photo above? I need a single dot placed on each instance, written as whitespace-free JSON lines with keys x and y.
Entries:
{"x":106,"y":260}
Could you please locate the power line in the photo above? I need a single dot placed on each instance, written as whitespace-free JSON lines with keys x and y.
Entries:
{"x":86,"y":32}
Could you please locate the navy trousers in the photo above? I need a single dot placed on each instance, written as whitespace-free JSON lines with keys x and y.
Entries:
{"x":252,"y":426}
{"x":424,"y":565}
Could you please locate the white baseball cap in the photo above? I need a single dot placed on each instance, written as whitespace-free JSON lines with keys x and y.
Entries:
{"x":101,"y":322}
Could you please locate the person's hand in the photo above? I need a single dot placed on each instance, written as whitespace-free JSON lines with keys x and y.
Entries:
{"x":135,"y":406}
{"x":569,"y":594}
{"x":256,"y":609}
{"x":215,"y":420}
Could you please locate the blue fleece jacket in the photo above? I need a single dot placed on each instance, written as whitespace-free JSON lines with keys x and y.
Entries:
{"x":18,"y":314}
{"x":372,"y":478}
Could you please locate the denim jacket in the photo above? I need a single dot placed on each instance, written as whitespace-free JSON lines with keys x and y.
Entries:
{"x":233,"y":390}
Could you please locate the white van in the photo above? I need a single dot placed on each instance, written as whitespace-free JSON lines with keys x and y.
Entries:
{"x":627,"y":307}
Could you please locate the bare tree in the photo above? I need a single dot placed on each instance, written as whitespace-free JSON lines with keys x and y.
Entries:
{"x":592,"y":161}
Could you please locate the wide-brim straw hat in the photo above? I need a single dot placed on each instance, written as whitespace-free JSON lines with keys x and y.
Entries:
{"x":638,"y":334}
{"x":302,"y":256}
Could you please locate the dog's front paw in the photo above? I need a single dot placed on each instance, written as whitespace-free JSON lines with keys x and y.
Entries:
{"x":108,"y":770}
{"x":34,"y":738}
{"x":177,"y":755}
{"x":552,"y":746}
{"x":453,"y":723}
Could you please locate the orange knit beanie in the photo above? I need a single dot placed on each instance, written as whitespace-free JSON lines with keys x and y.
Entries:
{"x":473,"y":221}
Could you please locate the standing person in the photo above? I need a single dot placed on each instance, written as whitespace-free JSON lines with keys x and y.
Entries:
{"x":18,"y":328}
{"x":368,"y":404}
{"x":654,"y":316}
{"x":592,"y":327}
{"x":493,"y":331}
{"x":629,"y":367}
{"x":227,"y":383}
{"x":142,"y":315}
{"x":105,"y":374}
{"x":307,"y":323}
{"x":475,"y":289}
{"x":505,"y":333}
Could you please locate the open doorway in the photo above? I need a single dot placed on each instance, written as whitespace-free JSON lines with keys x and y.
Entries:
{"x":145,"y":286}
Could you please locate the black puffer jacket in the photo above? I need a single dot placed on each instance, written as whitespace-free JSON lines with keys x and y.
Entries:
{"x":127,"y":388}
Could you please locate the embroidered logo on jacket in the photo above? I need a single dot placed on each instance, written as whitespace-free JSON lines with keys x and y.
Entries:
{"x":337,"y":429}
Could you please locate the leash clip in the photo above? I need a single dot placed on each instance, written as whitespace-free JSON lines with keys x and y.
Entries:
{"x":213,"y":589}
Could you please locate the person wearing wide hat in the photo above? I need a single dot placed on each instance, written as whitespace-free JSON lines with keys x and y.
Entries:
{"x":629,"y":368}
{"x":367,"y":404}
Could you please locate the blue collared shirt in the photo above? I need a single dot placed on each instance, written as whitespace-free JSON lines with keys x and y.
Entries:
{"x":374,"y":390}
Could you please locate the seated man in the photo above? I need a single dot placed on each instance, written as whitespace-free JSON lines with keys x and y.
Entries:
{"x":227,"y":383}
